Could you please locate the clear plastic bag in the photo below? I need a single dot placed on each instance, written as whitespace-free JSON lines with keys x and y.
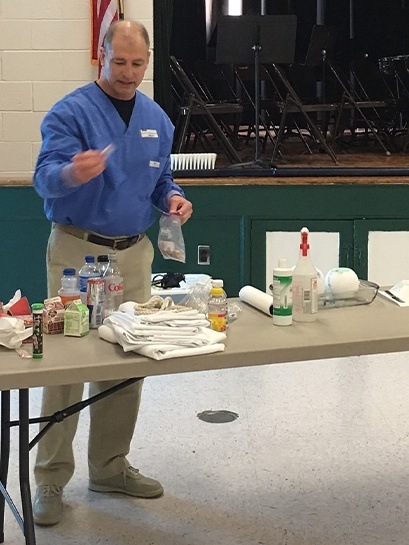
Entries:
{"x":170,"y":238}
{"x":198,"y":298}
{"x":233,"y":311}
{"x":198,"y":295}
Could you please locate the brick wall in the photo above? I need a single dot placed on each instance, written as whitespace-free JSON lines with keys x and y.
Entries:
{"x":44,"y":54}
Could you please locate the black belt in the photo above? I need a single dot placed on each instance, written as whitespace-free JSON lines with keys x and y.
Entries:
{"x":115,"y":244}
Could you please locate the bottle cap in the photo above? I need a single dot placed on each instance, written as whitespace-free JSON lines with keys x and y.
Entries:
{"x":113,"y":257}
{"x":37,"y":306}
{"x":282,"y":263}
{"x":89,"y":259}
{"x":217,"y":283}
{"x":103,"y":258}
{"x":304,"y":246}
{"x":68,"y":272}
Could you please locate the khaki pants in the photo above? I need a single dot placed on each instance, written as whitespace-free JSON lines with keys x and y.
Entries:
{"x":113,"y":419}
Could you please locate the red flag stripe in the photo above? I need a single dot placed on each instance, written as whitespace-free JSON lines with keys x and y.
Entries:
{"x":104,"y":12}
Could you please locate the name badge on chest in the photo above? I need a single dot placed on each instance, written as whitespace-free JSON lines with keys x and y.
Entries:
{"x":149,"y":133}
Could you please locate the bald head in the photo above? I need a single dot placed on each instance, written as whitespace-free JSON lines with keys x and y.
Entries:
{"x":124,"y":59}
{"x":126,"y":29}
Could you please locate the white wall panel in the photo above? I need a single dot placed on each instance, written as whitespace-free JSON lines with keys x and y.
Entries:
{"x":75,"y":9}
{"x":32,"y":9}
{"x":388,"y":261}
{"x":20,"y":126}
{"x":15,"y":156}
{"x":61,"y":35}
{"x":15,"y":95}
{"x":15,"y":35}
{"x":32,"y":65}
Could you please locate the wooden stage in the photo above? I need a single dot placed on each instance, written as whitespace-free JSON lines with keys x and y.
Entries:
{"x":360,"y":162}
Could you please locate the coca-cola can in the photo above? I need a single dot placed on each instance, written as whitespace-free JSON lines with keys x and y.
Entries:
{"x":95,"y":301}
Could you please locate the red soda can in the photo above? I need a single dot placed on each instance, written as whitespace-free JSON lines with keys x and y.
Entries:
{"x":95,"y":301}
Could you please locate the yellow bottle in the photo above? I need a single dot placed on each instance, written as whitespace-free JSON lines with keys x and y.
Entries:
{"x":217,"y":307}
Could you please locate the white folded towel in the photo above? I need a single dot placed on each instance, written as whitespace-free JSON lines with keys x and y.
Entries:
{"x":130,"y":341}
{"x":163,"y":338}
{"x":169,"y":316}
{"x":158,"y":353}
{"x":190,"y":317}
{"x":141,"y":325}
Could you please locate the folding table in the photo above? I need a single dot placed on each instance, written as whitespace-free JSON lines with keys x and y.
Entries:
{"x":379,"y":327}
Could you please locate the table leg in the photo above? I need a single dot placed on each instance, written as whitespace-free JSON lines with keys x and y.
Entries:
{"x":24,"y":447}
{"x":26,"y":521}
{"x":4,"y":453}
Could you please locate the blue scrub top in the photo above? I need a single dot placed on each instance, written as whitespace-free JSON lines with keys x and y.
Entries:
{"x":138,"y":177}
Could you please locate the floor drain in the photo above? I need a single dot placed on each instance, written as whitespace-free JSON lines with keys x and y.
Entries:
{"x":217,"y":417}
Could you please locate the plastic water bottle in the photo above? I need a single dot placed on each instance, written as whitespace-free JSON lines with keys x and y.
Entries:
{"x":305,"y":284}
{"x":69,"y":290}
{"x":102,"y":264}
{"x":114,"y":286}
{"x":88,"y":270}
{"x":217,"y":307}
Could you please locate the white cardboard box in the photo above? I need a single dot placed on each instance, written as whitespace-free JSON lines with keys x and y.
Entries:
{"x":178,"y":294}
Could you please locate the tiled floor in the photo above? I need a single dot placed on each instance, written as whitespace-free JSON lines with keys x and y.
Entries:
{"x":318,"y":456}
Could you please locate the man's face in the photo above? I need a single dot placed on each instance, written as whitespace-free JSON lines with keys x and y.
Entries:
{"x":124,"y":63}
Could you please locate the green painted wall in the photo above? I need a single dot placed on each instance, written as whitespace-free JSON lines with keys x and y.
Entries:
{"x":225,"y":218}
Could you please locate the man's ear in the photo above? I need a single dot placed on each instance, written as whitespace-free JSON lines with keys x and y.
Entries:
{"x":102,"y":55}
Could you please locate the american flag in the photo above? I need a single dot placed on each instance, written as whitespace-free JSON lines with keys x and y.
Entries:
{"x":104,"y":12}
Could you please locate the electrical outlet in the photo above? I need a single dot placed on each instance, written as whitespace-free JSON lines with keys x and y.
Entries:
{"x":203,"y":255}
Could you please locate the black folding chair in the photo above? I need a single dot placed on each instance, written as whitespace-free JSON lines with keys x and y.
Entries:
{"x":194,"y":103}
{"x":353,"y":102}
{"x":292,"y":105}
{"x":372,"y":88}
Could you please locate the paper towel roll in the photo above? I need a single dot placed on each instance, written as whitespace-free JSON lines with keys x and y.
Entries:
{"x":257,"y":299}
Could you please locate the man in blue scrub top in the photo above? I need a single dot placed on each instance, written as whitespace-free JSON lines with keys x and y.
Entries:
{"x":103,"y":166}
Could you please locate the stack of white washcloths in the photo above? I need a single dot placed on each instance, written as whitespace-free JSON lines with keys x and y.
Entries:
{"x":162,"y":335}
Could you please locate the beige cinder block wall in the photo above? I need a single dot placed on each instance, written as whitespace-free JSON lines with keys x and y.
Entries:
{"x":44,"y":54}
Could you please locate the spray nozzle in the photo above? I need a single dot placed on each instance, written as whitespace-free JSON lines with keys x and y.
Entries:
{"x":304,"y":246}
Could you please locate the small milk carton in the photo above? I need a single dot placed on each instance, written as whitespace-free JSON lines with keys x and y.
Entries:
{"x":76,"y":319}
{"x":53,"y":316}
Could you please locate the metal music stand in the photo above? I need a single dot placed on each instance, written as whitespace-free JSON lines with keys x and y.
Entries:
{"x":320,"y":47}
{"x":255,"y":39}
